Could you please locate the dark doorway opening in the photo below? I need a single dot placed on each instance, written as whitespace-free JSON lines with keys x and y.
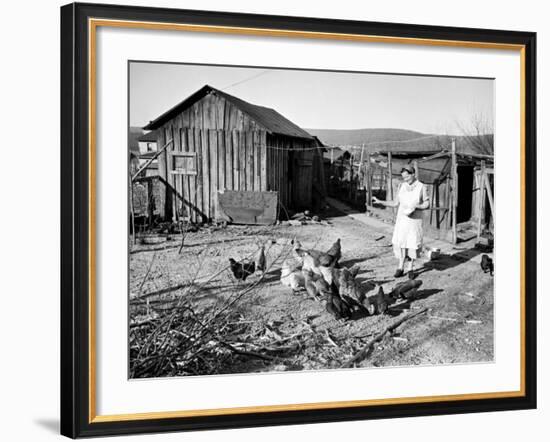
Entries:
{"x":465,"y":187}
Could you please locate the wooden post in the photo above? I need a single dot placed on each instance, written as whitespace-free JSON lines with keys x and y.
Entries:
{"x":350,"y":174}
{"x":132,"y":219}
{"x":389,"y":190}
{"x":150,"y":202}
{"x":490,"y":197}
{"x":454,"y":186}
{"x":331,"y":156}
{"x":368,"y":178}
{"x":481,"y":199}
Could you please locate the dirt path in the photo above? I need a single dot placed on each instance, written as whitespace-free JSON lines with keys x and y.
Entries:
{"x":457,"y":328}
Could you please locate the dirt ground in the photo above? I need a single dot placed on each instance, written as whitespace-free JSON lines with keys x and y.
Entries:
{"x":456,"y":328}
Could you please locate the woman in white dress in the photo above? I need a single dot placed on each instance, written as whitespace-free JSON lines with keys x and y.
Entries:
{"x":411,"y":198}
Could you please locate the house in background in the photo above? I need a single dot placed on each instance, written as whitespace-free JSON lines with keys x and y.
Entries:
{"x":148,"y":142}
{"x":220,"y":142}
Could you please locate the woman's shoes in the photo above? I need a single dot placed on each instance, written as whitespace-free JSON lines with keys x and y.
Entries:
{"x":398,"y":273}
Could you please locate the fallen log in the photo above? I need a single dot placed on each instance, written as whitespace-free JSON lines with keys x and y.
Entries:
{"x":363,"y":353}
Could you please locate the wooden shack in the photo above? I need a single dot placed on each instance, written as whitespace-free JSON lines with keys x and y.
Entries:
{"x":212,"y":142}
{"x":460,"y":186}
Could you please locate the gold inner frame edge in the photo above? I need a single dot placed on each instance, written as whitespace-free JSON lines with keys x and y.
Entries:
{"x":93,"y":24}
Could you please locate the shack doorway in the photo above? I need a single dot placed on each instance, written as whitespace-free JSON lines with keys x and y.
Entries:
{"x":465,"y":187}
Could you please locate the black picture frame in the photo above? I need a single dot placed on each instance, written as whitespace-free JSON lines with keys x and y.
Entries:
{"x":75,"y":220}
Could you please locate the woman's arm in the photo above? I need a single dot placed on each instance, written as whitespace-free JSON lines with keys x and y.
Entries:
{"x":425,"y":202}
{"x":393,"y":203}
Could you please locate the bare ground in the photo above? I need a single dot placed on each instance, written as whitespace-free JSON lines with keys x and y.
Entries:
{"x":273,"y":328}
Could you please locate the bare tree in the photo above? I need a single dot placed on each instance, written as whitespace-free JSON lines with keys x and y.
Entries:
{"x":478,"y":134}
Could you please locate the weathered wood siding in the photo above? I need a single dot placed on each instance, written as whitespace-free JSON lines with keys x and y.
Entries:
{"x":233,"y":152}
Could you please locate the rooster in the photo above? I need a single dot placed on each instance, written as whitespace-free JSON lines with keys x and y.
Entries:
{"x":241,"y":271}
{"x":487,"y":264}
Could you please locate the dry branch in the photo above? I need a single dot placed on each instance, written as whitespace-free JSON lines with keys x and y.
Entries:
{"x":364,"y":352}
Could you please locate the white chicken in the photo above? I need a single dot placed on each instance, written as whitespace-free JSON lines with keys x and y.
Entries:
{"x":292,"y":276}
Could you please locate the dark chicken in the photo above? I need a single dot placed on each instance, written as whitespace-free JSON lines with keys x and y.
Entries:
{"x":380,"y":301}
{"x":333,"y":255}
{"x":337,"y":306}
{"x":241,"y":271}
{"x":406,"y":289}
{"x":487,"y":264}
{"x":260,"y":260}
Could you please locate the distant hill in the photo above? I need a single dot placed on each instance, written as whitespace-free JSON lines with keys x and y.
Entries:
{"x":402,"y":140}
{"x":360,"y":136}
{"x":133,"y":135}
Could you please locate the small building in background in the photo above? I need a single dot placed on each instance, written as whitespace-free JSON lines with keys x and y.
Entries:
{"x":148,"y":142}
{"x":215,"y":142}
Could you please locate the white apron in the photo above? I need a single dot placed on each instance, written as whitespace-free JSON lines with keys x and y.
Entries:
{"x":407,"y":233}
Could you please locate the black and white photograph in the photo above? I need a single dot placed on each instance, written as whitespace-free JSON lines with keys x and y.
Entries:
{"x":286,"y":220}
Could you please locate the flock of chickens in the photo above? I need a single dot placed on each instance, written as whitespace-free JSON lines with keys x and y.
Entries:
{"x":324,"y":279}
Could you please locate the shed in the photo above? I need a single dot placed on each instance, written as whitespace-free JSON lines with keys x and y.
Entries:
{"x":212,"y":142}
{"x":459,"y":180}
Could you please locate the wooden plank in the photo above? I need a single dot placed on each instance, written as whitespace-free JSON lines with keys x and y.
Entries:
{"x":177,"y":204}
{"x":186,"y":135}
{"x":481,"y":198}
{"x":205,"y":173}
{"x":236,"y":161}
{"x":161,"y":141}
{"x":228,"y":160}
{"x":454,"y":185}
{"x":257,"y":153}
{"x":221,"y":160}
{"x":185,"y":179}
{"x":490,"y":196}
{"x":213,"y":142}
{"x":249,"y":160}
{"x":263,"y":161}
{"x":242,"y":160}
{"x":220,"y":113}
{"x":197,"y":142}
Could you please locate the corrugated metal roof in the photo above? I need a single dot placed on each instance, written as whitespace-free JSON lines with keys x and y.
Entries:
{"x":269,"y":118}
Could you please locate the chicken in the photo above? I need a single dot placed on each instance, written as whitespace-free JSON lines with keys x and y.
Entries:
{"x":333,"y":255}
{"x":241,"y":271}
{"x":337,"y":306}
{"x":297,"y":246}
{"x":380,"y":301}
{"x":350,"y":287}
{"x":292,"y":276}
{"x":260,"y":260}
{"x":406,"y":289}
{"x":320,"y":284}
{"x":487,"y":264}
{"x":309,"y":284}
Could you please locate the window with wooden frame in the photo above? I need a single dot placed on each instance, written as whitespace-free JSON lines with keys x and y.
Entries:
{"x":184,"y":163}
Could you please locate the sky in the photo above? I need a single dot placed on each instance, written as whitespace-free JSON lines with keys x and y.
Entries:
{"x":320,"y":99}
